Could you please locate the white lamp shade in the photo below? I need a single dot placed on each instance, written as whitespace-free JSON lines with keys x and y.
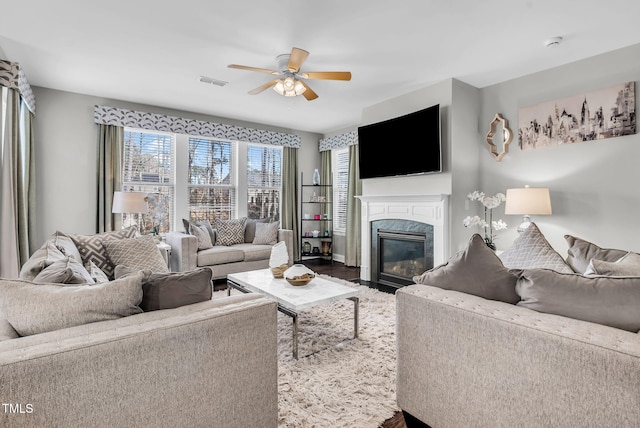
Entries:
{"x":129,"y":202}
{"x":528,"y":201}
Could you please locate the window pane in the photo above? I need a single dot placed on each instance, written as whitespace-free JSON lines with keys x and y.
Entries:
{"x":341,"y":183}
{"x":209,"y":203}
{"x":264,"y":181}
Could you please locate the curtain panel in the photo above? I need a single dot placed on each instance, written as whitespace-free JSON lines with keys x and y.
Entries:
{"x":289,"y":214}
{"x":110,"y":151}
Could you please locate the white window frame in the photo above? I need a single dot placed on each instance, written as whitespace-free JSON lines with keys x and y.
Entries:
{"x":340,"y":167}
{"x":273,"y":216}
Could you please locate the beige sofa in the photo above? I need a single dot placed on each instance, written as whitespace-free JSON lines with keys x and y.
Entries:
{"x":222,"y":259}
{"x":207,"y":364}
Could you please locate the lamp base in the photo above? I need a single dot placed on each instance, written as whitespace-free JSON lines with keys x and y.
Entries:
{"x":526,"y":222}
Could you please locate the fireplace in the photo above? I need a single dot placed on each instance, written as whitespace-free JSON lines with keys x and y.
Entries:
{"x":402,"y":236}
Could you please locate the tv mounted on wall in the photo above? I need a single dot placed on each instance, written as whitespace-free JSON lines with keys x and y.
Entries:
{"x":404,"y":145}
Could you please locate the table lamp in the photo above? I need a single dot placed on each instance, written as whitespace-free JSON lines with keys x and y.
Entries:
{"x":129,"y":203}
{"x":527,"y":201}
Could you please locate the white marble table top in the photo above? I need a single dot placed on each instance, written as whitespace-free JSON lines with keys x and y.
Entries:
{"x":316,"y":292}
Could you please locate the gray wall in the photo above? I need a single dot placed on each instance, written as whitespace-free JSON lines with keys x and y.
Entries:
{"x":66,"y":163}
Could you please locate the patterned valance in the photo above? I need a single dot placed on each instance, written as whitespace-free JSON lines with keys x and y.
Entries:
{"x":159,"y":122}
{"x":339,"y":141}
{"x":12,"y":77}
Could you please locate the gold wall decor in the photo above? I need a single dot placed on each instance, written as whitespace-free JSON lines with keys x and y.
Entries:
{"x":507,"y":137}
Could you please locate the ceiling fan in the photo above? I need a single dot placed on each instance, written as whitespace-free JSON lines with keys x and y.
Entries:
{"x":290,"y":79}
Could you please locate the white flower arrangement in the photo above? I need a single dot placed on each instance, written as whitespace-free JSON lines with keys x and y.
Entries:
{"x":487,"y":223}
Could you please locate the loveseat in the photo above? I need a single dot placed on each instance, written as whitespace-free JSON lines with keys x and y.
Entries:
{"x":480,"y":344}
{"x":233,"y":246}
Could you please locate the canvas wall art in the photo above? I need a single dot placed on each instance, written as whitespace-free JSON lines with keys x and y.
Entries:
{"x":605,"y":113}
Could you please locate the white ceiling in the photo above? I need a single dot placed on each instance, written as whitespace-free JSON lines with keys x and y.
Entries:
{"x":154,"y":52}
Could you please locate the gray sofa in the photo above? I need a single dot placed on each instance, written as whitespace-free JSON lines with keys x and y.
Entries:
{"x":466,"y":361}
{"x":223,"y":259}
{"x":212,"y":363}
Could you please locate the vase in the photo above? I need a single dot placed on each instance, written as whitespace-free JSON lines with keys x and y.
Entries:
{"x":316,"y":177}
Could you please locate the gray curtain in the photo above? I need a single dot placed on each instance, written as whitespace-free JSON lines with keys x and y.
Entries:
{"x":326,"y":178}
{"x":290,"y":186}
{"x":17,"y":183}
{"x":110,"y":148}
{"x":352,"y":255}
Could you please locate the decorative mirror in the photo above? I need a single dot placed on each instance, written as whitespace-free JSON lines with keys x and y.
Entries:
{"x":499,"y":133}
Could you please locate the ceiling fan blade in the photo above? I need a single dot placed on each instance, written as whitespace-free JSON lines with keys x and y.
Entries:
{"x":261,"y":70}
{"x":297,"y":57}
{"x":263,"y":87}
{"x":308,"y":93}
{"x":328,"y":75}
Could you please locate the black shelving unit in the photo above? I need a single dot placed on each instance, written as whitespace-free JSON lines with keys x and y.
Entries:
{"x":316,"y":207}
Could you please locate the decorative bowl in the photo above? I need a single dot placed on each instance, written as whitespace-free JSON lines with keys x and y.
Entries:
{"x":299,"y":275}
{"x":278,"y":271}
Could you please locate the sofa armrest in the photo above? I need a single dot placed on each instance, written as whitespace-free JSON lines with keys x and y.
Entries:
{"x":184,"y":251}
{"x":286,"y":235}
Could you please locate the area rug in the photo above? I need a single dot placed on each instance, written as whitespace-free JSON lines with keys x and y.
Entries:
{"x":339,"y":381}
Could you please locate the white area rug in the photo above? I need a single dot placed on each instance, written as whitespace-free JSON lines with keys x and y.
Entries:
{"x":345,"y":382}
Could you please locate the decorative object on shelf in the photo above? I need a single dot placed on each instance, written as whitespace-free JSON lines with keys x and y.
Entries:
{"x":315,"y":233}
{"x":299,"y":274}
{"x":316,"y":217}
{"x":527,"y":201}
{"x":316,"y":250}
{"x":326,"y":247}
{"x":491,"y":140}
{"x":316,"y":177}
{"x":578,"y":118}
{"x":306,"y":247}
{"x":326,"y":233}
{"x":487,"y":223}
{"x":307,"y":216}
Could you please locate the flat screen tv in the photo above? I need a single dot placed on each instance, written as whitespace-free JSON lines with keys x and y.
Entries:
{"x":404,"y":145}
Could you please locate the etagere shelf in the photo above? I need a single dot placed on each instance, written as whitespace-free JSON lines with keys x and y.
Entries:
{"x":316,"y":223}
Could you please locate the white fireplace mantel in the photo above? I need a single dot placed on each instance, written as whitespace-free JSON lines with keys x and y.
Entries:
{"x":429,"y":209}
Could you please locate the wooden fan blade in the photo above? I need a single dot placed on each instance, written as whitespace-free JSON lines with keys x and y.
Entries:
{"x":261,"y":70}
{"x":308,"y":93}
{"x":263,"y":87}
{"x":297,"y":57}
{"x":328,"y":75}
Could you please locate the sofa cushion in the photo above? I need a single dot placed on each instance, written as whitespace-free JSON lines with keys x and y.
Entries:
{"x":173,"y":289}
{"x":266,"y":233}
{"x":250,"y":228}
{"x":475,"y":270}
{"x":253,"y":252}
{"x":202,"y":236}
{"x":207,"y":225}
{"x":229,"y":232}
{"x":607,"y":300}
{"x":91,"y":248}
{"x":33,"y":308}
{"x":6,"y":330}
{"x":532,"y":250}
{"x":137,"y":253}
{"x":44,"y":256}
{"x":627,"y":265}
{"x":66,"y":271}
{"x":219,"y":255}
{"x":581,"y":252}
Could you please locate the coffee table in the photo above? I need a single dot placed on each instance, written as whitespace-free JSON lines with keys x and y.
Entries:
{"x":292,"y":299}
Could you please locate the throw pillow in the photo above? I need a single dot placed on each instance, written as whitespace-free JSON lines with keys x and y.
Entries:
{"x":266,"y":233}
{"x":40,"y":259}
{"x":212,"y":234}
{"x":66,"y":271}
{"x":627,"y":265}
{"x":174,"y":289}
{"x":66,"y":245}
{"x":229,"y":232}
{"x":138,"y":253}
{"x":91,"y":248}
{"x":607,"y":300}
{"x":250,"y":228}
{"x":202,"y":236}
{"x":96,"y":273}
{"x":37,"y":308}
{"x":532,"y":250}
{"x":581,"y":252}
{"x":475,"y":270}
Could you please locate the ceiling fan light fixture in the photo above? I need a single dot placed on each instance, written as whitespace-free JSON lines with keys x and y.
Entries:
{"x":289,"y":87}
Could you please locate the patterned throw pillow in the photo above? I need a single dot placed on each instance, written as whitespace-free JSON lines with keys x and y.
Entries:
{"x":230,"y":232}
{"x":266,"y":233}
{"x":137,"y":253}
{"x":531,"y":250}
{"x":91,"y":248}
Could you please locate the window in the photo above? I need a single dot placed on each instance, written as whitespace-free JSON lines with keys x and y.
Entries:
{"x":340,"y":164}
{"x":211,"y":181}
{"x":149,"y":166}
{"x":264,"y":181}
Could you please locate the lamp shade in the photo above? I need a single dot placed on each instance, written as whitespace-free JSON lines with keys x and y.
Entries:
{"x":528,"y":201}
{"x":129,"y":202}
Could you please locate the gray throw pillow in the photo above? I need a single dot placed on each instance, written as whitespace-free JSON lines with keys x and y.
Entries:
{"x":172,"y":290}
{"x":476,"y":270}
{"x":266,"y":233}
{"x":202,"y":236}
{"x":40,"y":259}
{"x":628,"y":265}
{"x":581,"y":252}
{"x":250,"y":228}
{"x":91,"y":248}
{"x":531,"y":250}
{"x":230,"y":232}
{"x":212,"y":233}
{"x":37,"y":308}
{"x":607,"y":300}
{"x":138,"y":253}
{"x":67,"y":271}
